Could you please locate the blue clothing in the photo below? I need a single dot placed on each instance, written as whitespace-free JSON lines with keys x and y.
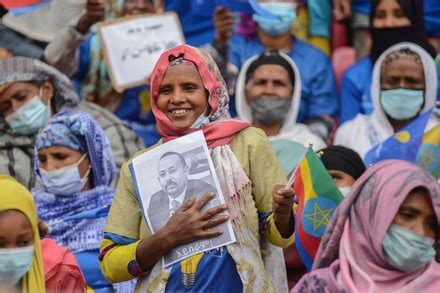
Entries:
{"x":216,"y":272}
{"x":19,"y":45}
{"x":88,"y":262}
{"x":195,"y":18}
{"x":355,"y":95}
{"x":135,"y":109}
{"x":432,"y":17}
{"x":318,"y":93}
{"x":320,"y":17}
{"x":361,"y":6}
{"x":84,"y":64}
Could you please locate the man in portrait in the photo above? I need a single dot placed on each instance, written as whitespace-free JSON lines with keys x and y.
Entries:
{"x":176,"y":188}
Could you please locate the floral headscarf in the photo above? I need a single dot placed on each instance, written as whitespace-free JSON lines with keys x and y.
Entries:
{"x":221,"y":130}
{"x":79,"y":131}
{"x":60,"y":134}
{"x":350,"y":256}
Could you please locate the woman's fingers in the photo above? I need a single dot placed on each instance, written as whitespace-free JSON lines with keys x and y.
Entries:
{"x":210,"y":233}
{"x":214,"y":211}
{"x":188,"y":204}
{"x":282,"y":202}
{"x":204,"y":200}
{"x":282,"y":194}
{"x":215,"y":221}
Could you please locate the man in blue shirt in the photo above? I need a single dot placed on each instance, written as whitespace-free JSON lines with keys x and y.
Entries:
{"x":196,"y":19}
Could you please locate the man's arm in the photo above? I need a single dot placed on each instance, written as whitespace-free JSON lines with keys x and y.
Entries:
{"x":63,"y":52}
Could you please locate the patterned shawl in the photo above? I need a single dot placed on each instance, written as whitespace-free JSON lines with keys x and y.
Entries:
{"x":350,"y":257}
{"x":83,"y":234}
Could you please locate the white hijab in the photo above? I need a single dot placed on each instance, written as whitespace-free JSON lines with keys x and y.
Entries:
{"x":366,"y":131}
{"x":290,"y":130}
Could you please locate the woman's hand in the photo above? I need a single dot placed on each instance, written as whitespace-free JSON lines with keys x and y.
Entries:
{"x":190,"y":223}
{"x":223,"y":23}
{"x":282,"y":207}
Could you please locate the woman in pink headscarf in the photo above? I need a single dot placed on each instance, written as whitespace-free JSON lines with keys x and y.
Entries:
{"x":188,"y":94}
{"x":381,"y":237}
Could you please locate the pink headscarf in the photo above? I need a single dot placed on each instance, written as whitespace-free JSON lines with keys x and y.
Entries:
{"x":221,"y":130}
{"x":350,"y":256}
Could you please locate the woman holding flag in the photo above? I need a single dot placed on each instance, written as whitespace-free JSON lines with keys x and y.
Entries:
{"x":381,"y":237}
{"x":404,"y":87}
{"x":189,"y":94}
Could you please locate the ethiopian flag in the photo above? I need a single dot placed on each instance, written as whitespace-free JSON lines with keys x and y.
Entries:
{"x":428,"y":155}
{"x":413,"y":143}
{"x":318,"y":197}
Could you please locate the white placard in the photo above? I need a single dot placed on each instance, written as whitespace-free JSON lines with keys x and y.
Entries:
{"x":179,"y":168}
{"x":133,"y":44}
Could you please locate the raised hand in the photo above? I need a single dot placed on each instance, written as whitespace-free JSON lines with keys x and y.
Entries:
{"x":223,"y":23}
{"x":95,"y":12}
{"x":282,"y":205}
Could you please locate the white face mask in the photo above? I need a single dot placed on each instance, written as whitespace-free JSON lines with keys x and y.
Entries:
{"x":14,"y":264}
{"x":64,"y":181}
{"x":345,"y":190}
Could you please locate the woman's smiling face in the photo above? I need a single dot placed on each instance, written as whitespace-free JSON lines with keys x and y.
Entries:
{"x":182,"y":96}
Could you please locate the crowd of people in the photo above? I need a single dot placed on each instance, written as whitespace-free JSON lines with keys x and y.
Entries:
{"x":262,"y":82}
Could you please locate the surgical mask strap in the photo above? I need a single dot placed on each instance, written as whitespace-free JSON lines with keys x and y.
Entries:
{"x":87,"y":173}
{"x":200,"y":120}
{"x":89,"y":168}
{"x":40,"y":93}
{"x":81,"y":159}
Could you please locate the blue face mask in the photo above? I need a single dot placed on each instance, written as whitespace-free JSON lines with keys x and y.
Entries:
{"x":402,"y":104}
{"x":285,"y":13}
{"x":406,"y":250}
{"x":30,"y":117}
{"x":202,"y":120}
{"x":14,"y":264}
{"x":64,"y":181}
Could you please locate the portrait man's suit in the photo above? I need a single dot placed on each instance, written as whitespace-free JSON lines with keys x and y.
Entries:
{"x":159,"y":211}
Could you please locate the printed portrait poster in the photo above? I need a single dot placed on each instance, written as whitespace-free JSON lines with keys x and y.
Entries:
{"x":133,"y":44}
{"x":166,"y":177}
